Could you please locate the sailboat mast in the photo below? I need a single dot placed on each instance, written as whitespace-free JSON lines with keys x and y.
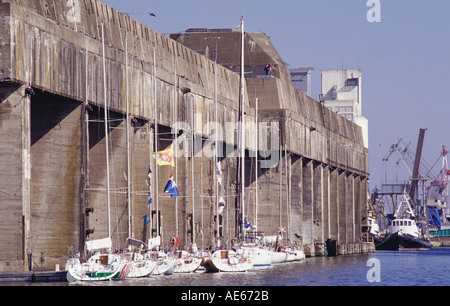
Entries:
{"x":256,"y":167}
{"x":280,"y":166}
{"x":192,"y":170}
{"x":128,"y":139}
{"x":156,"y":141}
{"x":287,"y":190}
{"x":242,"y":132}
{"x":176,"y":135}
{"x":216,"y":147}
{"x":201,"y":197}
{"x":108,"y":188}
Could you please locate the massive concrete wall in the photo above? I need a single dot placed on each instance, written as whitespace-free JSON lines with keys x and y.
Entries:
{"x":53,"y":165}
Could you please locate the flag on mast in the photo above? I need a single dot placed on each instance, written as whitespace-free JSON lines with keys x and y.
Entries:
{"x":165,"y":157}
{"x":171,"y":187}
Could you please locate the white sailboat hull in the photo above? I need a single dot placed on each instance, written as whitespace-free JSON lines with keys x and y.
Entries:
{"x":294,"y":255}
{"x":279,"y":257}
{"x":94,"y":270}
{"x":165,"y":266}
{"x":142,"y":268}
{"x":228,"y":262}
{"x":260,"y":256}
{"x":187,"y":265}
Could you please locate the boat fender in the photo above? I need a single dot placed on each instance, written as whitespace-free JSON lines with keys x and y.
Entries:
{"x":175,"y":241}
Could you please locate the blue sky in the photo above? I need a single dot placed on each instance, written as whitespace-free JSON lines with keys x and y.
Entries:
{"x":404,"y":58}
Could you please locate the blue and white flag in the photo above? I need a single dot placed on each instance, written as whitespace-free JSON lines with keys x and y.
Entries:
{"x":246,"y":223}
{"x":171,"y":187}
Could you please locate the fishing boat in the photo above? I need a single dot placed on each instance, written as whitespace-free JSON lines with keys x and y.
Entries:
{"x":227,"y":261}
{"x":374,"y":228}
{"x":404,"y":234}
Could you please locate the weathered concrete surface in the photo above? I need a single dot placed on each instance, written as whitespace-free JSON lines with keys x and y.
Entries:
{"x":52,"y":155}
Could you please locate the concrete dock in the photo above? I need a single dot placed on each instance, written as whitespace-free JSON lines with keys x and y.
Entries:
{"x":34,"y":277}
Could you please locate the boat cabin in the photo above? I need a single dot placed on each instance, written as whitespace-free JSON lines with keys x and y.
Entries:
{"x":404,"y":226}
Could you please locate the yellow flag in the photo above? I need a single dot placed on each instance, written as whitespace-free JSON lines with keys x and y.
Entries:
{"x":165,"y":157}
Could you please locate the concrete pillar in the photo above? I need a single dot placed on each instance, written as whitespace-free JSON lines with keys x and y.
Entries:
{"x":56,"y":185}
{"x":15,"y":178}
{"x":349,"y":212}
{"x":141,"y":143}
{"x":297,"y":199}
{"x":334,"y":213}
{"x":357,"y":214}
{"x":326,"y":202}
{"x":308,"y":208}
{"x":319,"y":221}
{"x":26,"y":178}
{"x":98,"y":219}
{"x":341,"y":202}
{"x":363,"y":214}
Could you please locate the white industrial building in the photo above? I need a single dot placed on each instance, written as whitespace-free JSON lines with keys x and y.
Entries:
{"x":341,"y":92}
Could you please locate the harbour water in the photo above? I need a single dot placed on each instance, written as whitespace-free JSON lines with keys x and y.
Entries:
{"x":381,"y":268}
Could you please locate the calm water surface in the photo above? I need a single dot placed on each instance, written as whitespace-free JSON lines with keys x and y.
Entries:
{"x":396,"y":268}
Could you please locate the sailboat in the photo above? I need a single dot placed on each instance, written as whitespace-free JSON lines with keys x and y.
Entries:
{"x":164,"y":264}
{"x":253,"y":248}
{"x":141,"y":266}
{"x":252,"y":245}
{"x":229,"y":260}
{"x":185,"y":262}
{"x":293,"y":251}
{"x":101,"y":265}
{"x":279,"y":254}
{"x":294,"y":254}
